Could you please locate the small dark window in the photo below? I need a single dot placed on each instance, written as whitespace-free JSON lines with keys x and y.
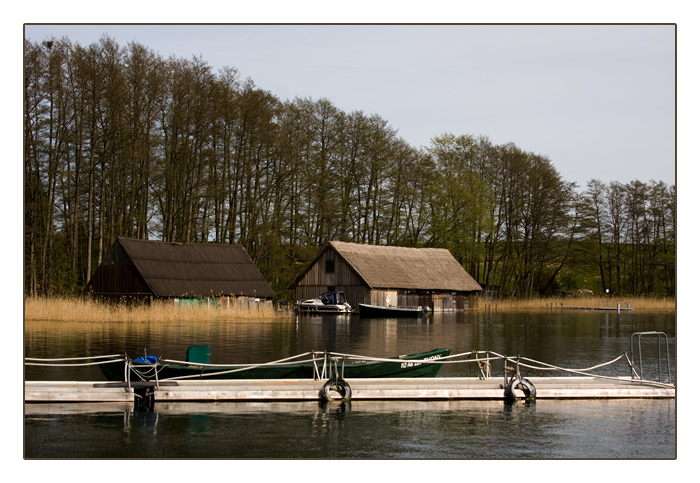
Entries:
{"x":330,"y":266}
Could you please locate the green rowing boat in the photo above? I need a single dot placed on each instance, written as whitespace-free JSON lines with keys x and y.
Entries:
{"x":322,"y":365}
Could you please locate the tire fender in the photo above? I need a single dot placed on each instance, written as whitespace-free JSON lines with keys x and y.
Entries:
{"x":519,"y":383}
{"x":339,"y":386}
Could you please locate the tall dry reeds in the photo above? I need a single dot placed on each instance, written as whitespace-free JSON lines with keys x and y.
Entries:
{"x":666,"y":304}
{"x":87,"y":310}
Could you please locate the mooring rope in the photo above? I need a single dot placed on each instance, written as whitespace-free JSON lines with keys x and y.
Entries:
{"x":69,"y":365}
{"x":286,"y":360}
{"x":582,"y":372}
{"x":52,"y":362}
{"x":239,"y":367}
{"x":75,"y":358}
{"x":551,"y":367}
{"x":355,"y":357}
{"x":146,"y":370}
{"x":494,"y":356}
{"x":144,"y":375}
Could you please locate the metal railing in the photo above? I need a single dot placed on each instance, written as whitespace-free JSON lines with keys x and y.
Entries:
{"x":638,"y":337}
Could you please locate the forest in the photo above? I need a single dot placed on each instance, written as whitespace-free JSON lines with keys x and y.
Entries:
{"x":119,"y":141}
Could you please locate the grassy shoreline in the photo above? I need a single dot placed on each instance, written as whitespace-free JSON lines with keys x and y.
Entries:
{"x":85,"y":310}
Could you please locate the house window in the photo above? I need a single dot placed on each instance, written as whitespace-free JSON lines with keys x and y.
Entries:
{"x":330,"y":266}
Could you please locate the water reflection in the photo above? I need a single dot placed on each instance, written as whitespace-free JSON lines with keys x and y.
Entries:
{"x":563,"y":339}
{"x":363,"y":429}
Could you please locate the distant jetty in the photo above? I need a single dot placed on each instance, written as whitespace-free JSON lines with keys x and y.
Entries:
{"x":618,"y":308}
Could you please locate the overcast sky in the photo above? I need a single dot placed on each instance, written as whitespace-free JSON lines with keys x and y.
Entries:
{"x":598,"y":100}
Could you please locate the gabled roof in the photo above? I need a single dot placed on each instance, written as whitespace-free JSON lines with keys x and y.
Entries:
{"x":191,"y":269}
{"x":406,"y":268}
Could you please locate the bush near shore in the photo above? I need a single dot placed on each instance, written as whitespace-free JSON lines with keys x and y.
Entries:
{"x":87,"y":310}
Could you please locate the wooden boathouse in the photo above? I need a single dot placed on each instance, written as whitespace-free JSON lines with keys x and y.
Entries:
{"x":388,"y":276}
{"x":182,"y":272}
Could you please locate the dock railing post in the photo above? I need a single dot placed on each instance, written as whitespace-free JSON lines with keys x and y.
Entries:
{"x":505,"y":372}
{"x":317,"y":376}
{"x":127,"y":369}
{"x":155,"y":371}
{"x":641,"y":364}
{"x":658,"y":348}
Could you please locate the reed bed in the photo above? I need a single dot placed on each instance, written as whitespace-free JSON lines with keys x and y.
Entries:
{"x":650,"y":304}
{"x":87,"y":310}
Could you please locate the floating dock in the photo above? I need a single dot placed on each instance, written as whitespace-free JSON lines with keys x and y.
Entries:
{"x":618,"y":309}
{"x":438,"y":388}
{"x":511,"y":386}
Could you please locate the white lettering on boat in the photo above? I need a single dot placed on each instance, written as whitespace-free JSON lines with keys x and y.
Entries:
{"x":406,"y":365}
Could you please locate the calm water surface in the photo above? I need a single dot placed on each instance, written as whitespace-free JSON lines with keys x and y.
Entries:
{"x":360,"y":429}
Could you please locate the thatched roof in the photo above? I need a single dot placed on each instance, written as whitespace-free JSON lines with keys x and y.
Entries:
{"x":406,"y":268}
{"x":191,"y":269}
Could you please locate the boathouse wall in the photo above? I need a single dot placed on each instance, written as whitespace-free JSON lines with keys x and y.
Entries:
{"x":330,"y":271}
{"x":119,"y":282}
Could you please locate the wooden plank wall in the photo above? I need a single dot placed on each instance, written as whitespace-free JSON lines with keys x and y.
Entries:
{"x":116,"y":281}
{"x":388,"y":298}
{"x":318,"y":280}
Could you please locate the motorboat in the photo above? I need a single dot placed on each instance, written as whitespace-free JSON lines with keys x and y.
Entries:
{"x":327,"y":302}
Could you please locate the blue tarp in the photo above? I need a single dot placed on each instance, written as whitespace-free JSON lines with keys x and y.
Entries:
{"x":147,"y":359}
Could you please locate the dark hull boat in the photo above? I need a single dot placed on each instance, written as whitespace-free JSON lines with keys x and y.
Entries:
{"x":380,"y":311}
{"x":347,"y":367}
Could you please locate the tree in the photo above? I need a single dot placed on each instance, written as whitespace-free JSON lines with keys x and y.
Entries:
{"x":121,"y":142}
{"x":460,"y":198}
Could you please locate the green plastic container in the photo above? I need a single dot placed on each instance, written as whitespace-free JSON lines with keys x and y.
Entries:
{"x":199,"y":354}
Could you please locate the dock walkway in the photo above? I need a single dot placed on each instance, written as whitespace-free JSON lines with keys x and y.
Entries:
{"x":439,"y":388}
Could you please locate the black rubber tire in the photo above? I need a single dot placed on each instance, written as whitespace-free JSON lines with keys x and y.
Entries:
{"x":339,"y":386}
{"x":523,"y":384}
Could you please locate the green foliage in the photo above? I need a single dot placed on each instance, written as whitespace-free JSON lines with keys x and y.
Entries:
{"x":121,"y":142}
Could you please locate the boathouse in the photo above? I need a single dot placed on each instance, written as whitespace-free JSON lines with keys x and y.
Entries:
{"x":388,"y":276}
{"x":182,"y":272}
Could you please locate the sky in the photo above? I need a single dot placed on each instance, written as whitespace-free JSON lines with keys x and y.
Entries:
{"x":597,"y":100}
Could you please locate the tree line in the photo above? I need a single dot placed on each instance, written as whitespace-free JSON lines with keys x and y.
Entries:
{"x":119,"y":141}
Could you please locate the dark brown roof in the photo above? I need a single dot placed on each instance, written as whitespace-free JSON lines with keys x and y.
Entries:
{"x":193,"y":269}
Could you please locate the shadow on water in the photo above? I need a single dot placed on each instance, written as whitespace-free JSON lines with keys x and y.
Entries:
{"x":361,"y":429}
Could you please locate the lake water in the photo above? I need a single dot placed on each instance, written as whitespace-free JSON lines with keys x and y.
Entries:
{"x":600,"y":429}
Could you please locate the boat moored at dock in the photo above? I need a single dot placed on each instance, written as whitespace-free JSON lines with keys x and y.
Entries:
{"x":379,"y":311}
{"x":312,"y":365}
{"x":327,"y":302}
